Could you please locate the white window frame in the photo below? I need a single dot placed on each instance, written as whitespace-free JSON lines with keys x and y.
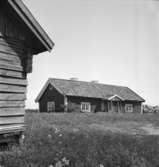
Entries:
{"x":50,"y":106}
{"x":129,"y":108}
{"x":85,"y":107}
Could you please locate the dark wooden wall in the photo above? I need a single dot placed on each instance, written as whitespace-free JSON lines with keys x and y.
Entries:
{"x":14,"y":57}
{"x":51,"y":94}
{"x":74,"y":104}
{"x":136,"y":106}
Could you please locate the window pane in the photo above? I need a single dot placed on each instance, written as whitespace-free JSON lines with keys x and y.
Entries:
{"x":129,"y":108}
{"x":85,"y":107}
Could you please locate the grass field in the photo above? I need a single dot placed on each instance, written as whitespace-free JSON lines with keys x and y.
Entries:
{"x":87,"y":140}
{"x":103,"y":122}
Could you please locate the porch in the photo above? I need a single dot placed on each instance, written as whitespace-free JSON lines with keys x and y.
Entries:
{"x":113,"y":104}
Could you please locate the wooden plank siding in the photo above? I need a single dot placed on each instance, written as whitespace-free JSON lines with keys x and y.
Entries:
{"x":10,"y":42}
{"x":20,"y":38}
{"x":13,"y":81}
{"x":12,"y":96}
{"x":13,"y":67}
{"x":7,"y":66}
{"x":9,"y":73}
{"x":13,"y":59}
{"x":11,"y":120}
{"x":13,"y":111}
{"x":9,"y":28}
{"x":12,"y":104}
{"x":6,"y":129}
{"x":51,"y":94}
{"x":12,"y":88}
{"x":8,"y":50}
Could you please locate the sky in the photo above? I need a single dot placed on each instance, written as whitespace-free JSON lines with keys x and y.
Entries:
{"x":114,"y":42}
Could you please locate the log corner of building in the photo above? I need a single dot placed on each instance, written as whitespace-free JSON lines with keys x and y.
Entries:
{"x":21,"y":37}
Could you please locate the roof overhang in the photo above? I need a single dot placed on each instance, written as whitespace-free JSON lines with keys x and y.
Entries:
{"x":27,"y":18}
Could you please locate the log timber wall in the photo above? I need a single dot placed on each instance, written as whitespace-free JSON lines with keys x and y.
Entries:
{"x":14,"y":66}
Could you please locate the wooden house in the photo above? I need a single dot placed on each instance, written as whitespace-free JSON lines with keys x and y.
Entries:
{"x":21,"y":37}
{"x":60,"y":95}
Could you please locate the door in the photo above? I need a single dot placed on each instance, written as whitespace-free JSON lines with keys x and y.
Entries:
{"x":115,"y":106}
{"x":50,"y":106}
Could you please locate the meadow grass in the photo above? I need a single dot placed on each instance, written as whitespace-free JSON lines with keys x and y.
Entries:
{"x":86,"y":140}
{"x":88,"y":118}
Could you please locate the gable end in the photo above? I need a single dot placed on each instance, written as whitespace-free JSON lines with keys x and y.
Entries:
{"x":45,"y":88}
{"x":25,"y":16}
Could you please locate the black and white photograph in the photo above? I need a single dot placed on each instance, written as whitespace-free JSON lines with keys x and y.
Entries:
{"x":79,"y":83}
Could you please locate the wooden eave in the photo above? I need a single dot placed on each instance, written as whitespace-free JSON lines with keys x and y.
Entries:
{"x":28,"y":19}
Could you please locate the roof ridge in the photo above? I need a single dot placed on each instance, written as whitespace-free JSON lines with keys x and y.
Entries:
{"x":88,"y":82}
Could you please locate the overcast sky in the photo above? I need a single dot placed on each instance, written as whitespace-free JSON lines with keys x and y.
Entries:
{"x":112,"y":41}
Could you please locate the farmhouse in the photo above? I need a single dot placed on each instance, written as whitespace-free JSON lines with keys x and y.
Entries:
{"x":21,"y":37}
{"x":60,"y":95}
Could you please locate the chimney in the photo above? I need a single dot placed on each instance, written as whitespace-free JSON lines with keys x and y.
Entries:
{"x":74,"y":79}
{"x":95,"y":81}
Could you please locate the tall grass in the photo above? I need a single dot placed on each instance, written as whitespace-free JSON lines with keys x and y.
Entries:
{"x":51,"y":138}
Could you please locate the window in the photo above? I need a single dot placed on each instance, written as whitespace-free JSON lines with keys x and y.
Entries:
{"x":128,"y":108}
{"x":50,"y":106}
{"x":85,"y":107}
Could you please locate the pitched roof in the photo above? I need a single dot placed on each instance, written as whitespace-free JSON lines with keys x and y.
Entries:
{"x":92,"y":90}
{"x":27,"y":18}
